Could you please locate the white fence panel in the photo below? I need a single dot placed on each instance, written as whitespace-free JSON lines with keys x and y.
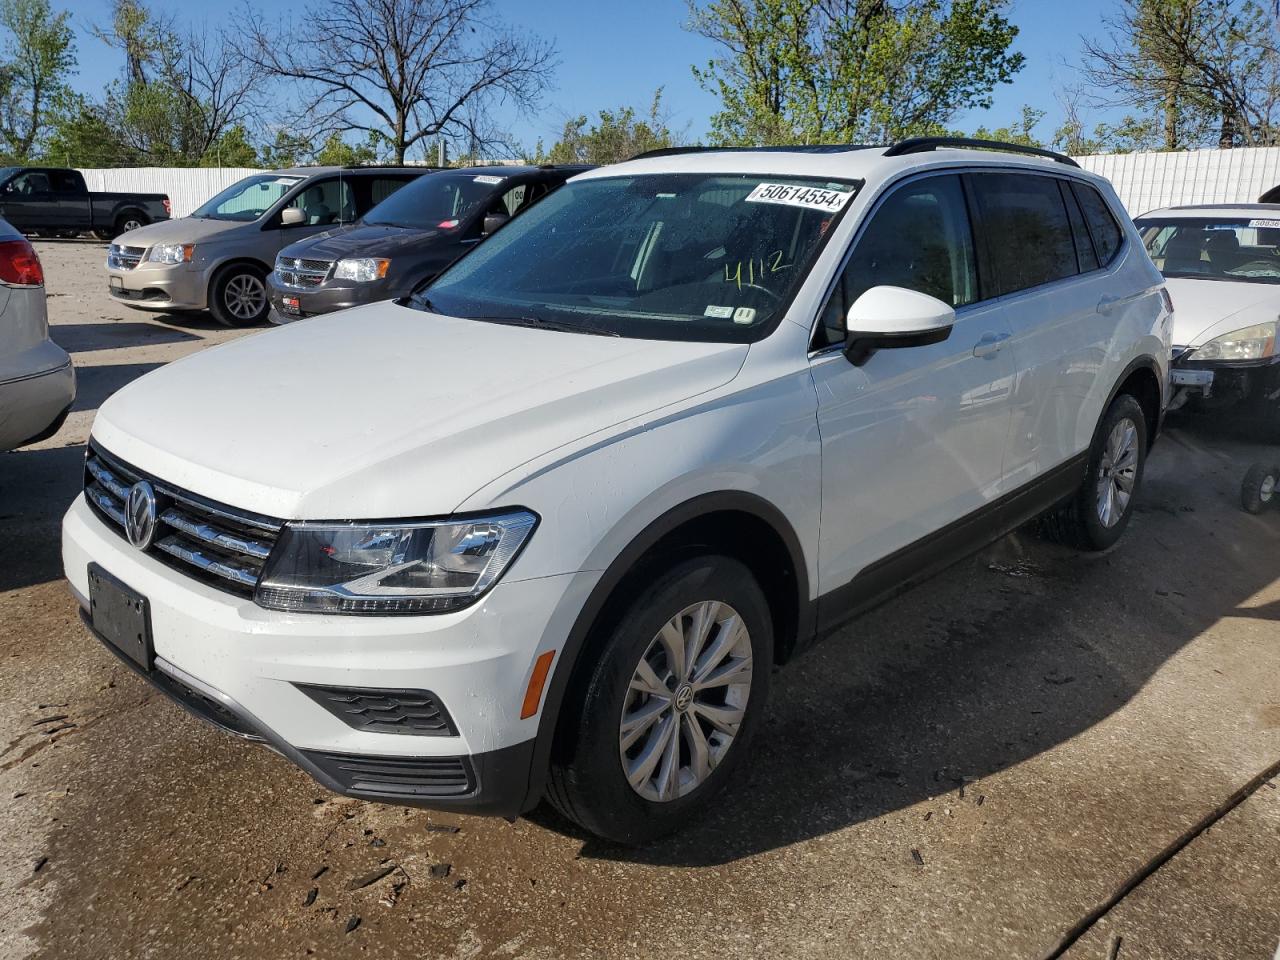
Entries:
{"x":187,"y":187}
{"x":1147,"y":181}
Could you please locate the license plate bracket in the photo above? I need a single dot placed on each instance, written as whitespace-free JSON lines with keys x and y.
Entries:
{"x":291,"y":305}
{"x":121,"y":616}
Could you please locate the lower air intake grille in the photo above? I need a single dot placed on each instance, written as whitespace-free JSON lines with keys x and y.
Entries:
{"x":384,"y":711}
{"x":400,"y":776}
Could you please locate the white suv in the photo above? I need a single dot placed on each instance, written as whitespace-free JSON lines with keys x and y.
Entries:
{"x":545,"y":526}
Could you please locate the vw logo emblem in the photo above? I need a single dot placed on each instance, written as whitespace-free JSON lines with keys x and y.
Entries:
{"x":140,"y":515}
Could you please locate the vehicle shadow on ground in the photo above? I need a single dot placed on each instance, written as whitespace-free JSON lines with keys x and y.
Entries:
{"x":96,"y":383}
{"x":36,"y":488}
{"x":913,"y":702}
{"x":84,"y":337}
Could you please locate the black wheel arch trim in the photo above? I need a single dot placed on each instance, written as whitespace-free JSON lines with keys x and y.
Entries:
{"x":1144,"y":362}
{"x":620,"y":567}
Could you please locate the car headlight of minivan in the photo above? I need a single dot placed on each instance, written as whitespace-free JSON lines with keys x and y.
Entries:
{"x":1249,"y":343}
{"x":171,"y":253}
{"x":362,"y":269}
{"x":429,"y":566}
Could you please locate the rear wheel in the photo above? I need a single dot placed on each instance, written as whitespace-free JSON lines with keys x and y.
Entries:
{"x":129,"y":220}
{"x":1098,"y":513}
{"x":651,"y":734}
{"x":238,"y":296}
{"x":1259,"y":488}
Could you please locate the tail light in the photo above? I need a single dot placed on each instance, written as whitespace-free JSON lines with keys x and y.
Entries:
{"x":168,"y":206}
{"x":19,"y":264}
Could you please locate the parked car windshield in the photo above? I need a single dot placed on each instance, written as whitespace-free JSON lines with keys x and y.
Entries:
{"x":248,"y":199}
{"x":1213,"y":249}
{"x":436,"y":200}
{"x":713,"y":257}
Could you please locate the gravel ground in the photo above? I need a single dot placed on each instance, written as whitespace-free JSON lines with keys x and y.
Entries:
{"x":978,"y":768}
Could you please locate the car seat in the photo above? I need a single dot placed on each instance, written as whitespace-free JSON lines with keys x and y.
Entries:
{"x":314,"y":208}
{"x":1224,"y":250}
{"x":1182,"y":254}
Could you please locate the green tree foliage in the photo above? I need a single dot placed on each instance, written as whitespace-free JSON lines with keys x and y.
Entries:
{"x":869,"y":71}
{"x":615,"y":136}
{"x":39,"y":56}
{"x":337,"y":152}
{"x":1205,"y":72}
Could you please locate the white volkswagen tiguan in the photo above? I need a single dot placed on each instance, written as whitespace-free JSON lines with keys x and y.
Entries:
{"x":544,"y":527}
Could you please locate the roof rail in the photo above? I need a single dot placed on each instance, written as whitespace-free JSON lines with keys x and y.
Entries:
{"x":925,"y":144}
{"x":797,"y":148}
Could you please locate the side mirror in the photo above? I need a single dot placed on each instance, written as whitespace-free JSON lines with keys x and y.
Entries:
{"x":292,"y":217}
{"x":493,"y":222}
{"x":888,"y":317}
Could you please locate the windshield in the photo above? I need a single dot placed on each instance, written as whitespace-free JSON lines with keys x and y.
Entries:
{"x":439,"y":200}
{"x":710,"y":257}
{"x":248,"y":199}
{"x":1246,"y":250}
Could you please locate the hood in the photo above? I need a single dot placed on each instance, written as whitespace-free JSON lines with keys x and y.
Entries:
{"x":1204,"y":309}
{"x":182,"y":230}
{"x":385,"y":412}
{"x":360,"y":240}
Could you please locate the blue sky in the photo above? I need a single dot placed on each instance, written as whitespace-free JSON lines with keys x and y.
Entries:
{"x":616,"y":53}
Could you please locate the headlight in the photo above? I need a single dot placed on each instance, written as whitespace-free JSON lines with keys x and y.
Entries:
{"x":1251,"y":343}
{"x":424,"y":567}
{"x":362,"y":269}
{"x":171,"y":253}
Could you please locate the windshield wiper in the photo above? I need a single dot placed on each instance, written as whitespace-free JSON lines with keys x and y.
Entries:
{"x":559,"y":326}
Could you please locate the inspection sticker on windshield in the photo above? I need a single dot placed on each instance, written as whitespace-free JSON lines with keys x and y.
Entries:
{"x":814,"y":198}
{"x":720,"y":313}
{"x":286,"y":181}
{"x":1265,"y":223}
{"x":489,"y":179}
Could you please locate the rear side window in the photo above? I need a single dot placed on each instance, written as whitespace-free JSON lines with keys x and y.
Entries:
{"x":64,"y":181}
{"x":1085,"y":254}
{"x":382,"y":187}
{"x":1027,"y":233}
{"x":1107,"y":234}
{"x":918,"y":238}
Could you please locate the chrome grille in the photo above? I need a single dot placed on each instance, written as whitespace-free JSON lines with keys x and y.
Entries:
{"x":124,"y":258}
{"x":217,"y":544}
{"x":301,"y":273}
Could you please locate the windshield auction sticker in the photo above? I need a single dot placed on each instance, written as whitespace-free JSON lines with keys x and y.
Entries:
{"x":488,"y":179}
{"x":814,"y":198}
{"x":1264,"y":223}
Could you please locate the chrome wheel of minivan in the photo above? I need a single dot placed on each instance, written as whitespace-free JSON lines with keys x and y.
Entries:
{"x":245,"y":296}
{"x":1117,"y":472}
{"x":686,"y":701}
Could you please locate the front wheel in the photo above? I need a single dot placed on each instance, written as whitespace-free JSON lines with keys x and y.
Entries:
{"x":655,"y":728}
{"x":238,"y":296}
{"x":1098,"y":513}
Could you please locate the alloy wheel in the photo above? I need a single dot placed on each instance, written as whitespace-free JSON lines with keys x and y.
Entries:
{"x":686,"y":701}
{"x":1117,"y":472}
{"x":132,"y":225}
{"x":245,"y":296}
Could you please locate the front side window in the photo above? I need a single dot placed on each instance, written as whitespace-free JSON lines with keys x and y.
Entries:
{"x":248,"y":199}
{"x":711,"y":257}
{"x":918,"y":238}
{"x":33,"y":181}
{"x":1028,"y":236}
{"x":1241,"y":249}
{"x":326,"y":202}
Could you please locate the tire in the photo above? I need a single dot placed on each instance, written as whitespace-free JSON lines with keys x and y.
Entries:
{"x":1258,"y":491}
{"x":129,"y":220}
{"x":587,"y":780}
{"x":1085,"y":521}
{"x":238,"y":296}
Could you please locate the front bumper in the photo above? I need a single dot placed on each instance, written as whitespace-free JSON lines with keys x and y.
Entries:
{"x":1250,"y":381}
{"x":155,"y":286}
{"x":248,"y":663}
{"x":328,"y":297}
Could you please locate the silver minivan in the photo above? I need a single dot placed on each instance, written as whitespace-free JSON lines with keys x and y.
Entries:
{"x":218,"y":258}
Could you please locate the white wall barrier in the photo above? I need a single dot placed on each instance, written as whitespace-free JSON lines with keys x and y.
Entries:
{"x":1148,"y":181}
{"x":1145,"y":181}
{"x":187,"y":187}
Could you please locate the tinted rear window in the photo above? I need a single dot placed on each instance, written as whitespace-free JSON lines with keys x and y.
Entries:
{"x":1107,"y":235}
{"x":1028,"y":235}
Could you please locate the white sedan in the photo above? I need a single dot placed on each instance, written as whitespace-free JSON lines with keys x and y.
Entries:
{"x":37,"y":381}
{"x":1222,"y":266}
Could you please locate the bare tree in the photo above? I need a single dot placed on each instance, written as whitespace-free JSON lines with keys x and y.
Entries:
{"x":408,"y":70}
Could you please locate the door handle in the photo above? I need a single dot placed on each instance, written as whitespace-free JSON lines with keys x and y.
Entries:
{"x":990,"y":345}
